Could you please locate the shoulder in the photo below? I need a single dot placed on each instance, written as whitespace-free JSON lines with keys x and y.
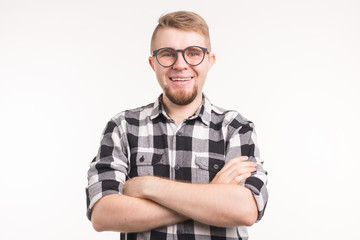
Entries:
{"x":135,"y":114}
{"x":229,"y":118}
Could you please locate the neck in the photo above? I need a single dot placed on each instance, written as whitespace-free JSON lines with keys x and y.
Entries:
{"x":179,"y":113}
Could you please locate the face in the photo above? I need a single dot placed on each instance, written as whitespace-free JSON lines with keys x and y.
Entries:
{"x":181,"y":83}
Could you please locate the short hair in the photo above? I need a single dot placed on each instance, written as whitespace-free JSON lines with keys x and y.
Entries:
{"x":183,"y":20}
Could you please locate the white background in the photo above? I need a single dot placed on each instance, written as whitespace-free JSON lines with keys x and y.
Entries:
{"x":292,"y":67}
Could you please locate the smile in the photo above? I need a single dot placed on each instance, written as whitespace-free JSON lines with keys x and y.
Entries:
{"x":180,"y":79}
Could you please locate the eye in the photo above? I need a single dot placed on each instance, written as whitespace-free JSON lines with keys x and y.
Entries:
{"x":166,"y":53}
{"x":194,"y":52}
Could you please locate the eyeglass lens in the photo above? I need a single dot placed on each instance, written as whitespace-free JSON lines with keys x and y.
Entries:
{"x":192,"y":55}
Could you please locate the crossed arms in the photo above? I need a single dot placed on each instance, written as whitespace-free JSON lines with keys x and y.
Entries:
{"x":150,"y":202}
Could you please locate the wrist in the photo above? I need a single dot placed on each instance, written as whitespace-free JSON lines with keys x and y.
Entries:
{"x":150,"y":186}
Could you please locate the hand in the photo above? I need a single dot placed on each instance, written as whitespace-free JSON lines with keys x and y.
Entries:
{"x":135,"y":187}
{"x":235,"y":171}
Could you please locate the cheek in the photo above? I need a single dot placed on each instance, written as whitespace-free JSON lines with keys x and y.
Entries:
{"x":202,"y":71}
{"x":158,"y":71}
{"x":160,"y":75}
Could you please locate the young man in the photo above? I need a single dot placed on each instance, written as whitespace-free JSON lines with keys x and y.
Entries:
{"x":179,"y":168}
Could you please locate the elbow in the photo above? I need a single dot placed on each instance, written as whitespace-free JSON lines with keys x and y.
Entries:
{"x":245,"y":220}
{"x":241,"y":218}
{"x":99,"y":220}
{"x":103,"y":217}
{"x":247,"y":217}
{"x":250,"y":216}
{"x":249,"y":220}
{"x":102,"y":222}
{"x":98,"y":225}
{"x":100,"y":216}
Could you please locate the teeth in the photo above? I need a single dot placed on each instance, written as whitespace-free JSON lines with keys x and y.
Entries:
{"x":180,"y":79}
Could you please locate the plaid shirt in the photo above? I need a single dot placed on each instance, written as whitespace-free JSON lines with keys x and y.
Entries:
{"x":146,"y":141}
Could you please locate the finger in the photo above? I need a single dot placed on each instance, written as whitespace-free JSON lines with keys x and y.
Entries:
{"x":238,"y":167}
{"x":237,"y":172}
{"x":233,"y":168}
{"x":229,"y":175}
{"x":242,"y":177}
{"x":234,"y":161}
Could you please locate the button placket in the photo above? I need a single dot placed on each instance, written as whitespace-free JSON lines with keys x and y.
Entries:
{"x":172,"y":130}
{"x":179,"y":133}
{"x":177,"y":167}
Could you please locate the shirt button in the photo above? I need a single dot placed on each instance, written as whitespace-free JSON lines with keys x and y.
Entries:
{"x":216,"y":167}
{"x":177,"y":167}
{"x":179,"y":134}
{"x":179,"y":231}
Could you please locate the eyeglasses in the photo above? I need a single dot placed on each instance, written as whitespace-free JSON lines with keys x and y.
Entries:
{"x":193,"y":55}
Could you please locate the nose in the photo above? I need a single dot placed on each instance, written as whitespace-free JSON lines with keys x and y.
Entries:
{"x":180,"y":62}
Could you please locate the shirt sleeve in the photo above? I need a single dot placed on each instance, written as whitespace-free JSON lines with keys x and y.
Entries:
{"x":242,"y":141}
{"x":108,"y":170}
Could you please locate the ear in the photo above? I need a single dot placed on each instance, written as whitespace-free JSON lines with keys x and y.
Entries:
{"x":151,"y":62}
{"x":211,"y":60}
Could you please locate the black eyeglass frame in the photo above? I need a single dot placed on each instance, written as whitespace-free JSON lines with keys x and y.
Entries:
{"x":155,"y":53}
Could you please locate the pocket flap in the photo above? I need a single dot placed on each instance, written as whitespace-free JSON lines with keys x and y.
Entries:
{"x":145,"y":158}
{"x":210,"y":164}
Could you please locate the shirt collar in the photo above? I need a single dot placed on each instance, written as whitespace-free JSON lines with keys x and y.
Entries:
{"x":157,"y":108}
{"x":203,"y":112}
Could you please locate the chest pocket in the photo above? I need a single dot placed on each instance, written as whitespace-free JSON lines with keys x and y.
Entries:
{"x":144,"y":163}
{"x":208,"y":167}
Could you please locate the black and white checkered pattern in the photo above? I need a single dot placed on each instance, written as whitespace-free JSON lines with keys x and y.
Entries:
{"x":145,"y":141}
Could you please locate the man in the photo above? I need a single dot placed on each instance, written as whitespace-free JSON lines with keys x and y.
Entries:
{"x":179,"y":168}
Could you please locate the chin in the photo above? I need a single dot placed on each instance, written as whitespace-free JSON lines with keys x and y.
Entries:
{"x":181,"y":98}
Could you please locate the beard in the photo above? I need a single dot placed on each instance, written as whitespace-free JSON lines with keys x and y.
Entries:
{"x":181,"y":98}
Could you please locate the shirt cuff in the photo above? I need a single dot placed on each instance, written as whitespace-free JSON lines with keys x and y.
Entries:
{"x":100,"y":189}
{"x":259,"y":190}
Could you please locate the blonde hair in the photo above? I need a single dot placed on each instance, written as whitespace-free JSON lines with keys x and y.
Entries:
{"x":183,"y":20}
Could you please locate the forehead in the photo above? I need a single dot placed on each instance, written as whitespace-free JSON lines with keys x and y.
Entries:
{"x":178,"y":39}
